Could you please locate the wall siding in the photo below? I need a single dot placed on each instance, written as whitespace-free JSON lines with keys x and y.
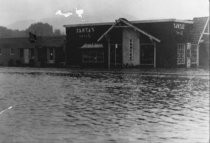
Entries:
{"x":127,"y":35}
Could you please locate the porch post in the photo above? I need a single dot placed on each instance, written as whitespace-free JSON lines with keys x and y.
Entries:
{"x":197,"y":62}
{"x":108,"y":52}
{"x":154,"y":55}
{"x":115,"y":55}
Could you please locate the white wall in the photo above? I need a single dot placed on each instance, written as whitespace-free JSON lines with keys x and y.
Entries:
{"x":128,"y":34}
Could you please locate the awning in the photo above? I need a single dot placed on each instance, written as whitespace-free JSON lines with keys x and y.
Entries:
{"x":88,"y":46}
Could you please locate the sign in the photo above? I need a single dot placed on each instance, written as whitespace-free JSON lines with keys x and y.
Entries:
{"x":84,"y":32}
{"x":179,"y":26}
{"x":179,"y":33}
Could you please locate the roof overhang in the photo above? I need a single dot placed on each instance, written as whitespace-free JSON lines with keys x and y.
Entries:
{"x":88,"y":24}
{"x":163,"y":20}
{"x":129,"y":25}
{"x":134,"y":22}
{"x":89,"y":46}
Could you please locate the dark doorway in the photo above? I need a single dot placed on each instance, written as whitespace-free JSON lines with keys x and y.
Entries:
{"x":116,"y":55}
{"x":147,"y":54}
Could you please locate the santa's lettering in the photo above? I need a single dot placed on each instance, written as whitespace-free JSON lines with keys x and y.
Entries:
{"x":85,"y":30}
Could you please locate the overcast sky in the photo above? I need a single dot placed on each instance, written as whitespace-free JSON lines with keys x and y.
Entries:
{"x":18,"y":10}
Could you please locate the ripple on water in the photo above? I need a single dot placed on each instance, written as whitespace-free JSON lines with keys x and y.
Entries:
{"x":103,"y":107}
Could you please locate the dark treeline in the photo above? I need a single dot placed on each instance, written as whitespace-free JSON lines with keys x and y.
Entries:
{"x":40,"y":29}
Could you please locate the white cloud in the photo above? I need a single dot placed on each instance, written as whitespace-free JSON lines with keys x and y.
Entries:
{"x":65,"y":14}
{"x":79,"y":12}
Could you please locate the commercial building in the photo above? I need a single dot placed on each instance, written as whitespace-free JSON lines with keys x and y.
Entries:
{"x":45,"y":51}
{"x":151,"y":43}
{"x":166,"y":43}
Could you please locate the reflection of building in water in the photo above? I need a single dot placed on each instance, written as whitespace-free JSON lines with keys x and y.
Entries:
{"x":151,"y":43}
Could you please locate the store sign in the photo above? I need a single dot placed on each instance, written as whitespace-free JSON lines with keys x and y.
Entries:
{"x":85,"y":30}
{"x":179,"y":33}
{"x":179,"y":26}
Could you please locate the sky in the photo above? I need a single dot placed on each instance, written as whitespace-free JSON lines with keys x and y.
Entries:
{"x":19,"y":10}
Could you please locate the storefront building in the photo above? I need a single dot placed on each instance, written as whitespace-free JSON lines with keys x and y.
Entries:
{"x":44,"y":52}
{"x":167,"y":43}
{"x":152,"y":43}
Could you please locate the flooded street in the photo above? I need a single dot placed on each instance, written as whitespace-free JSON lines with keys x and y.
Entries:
{"x":102,"y":107}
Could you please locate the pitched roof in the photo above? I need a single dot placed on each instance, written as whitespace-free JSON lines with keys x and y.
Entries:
{"x":15,"y":43}
{"x":198,"y":29}
{"x":130,"y":25}
{"x":54,"y":41}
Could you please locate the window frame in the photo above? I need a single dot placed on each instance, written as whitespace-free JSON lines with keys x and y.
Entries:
{"x":92,"y":57}
{"x":131,"y":49}
{"x":12,"y":51}
{"x":181,"y":47}
{"x":21,"y":52}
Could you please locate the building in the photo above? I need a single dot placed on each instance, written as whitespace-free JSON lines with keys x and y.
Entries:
{"x":166,"y":43}
{"x":45,"y":51}
{"x":150,"y":43}
{"x":200,"y":39}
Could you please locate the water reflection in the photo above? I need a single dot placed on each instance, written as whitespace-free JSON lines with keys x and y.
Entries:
{"x":103,"y":107}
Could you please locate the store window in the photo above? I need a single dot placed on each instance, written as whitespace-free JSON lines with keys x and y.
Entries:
{"x":131,"y":49}
{"x":21,"y":52}
{"x":92,"y":57}
{"x":194,"y":50}
{"x":12,"y":51}
{"x":147,"y":54}
{"x":32,"y":53}
{"x":180,"y":54}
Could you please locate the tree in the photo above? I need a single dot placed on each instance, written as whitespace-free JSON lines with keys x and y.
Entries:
{"x":40,"y":29}
{"x":57,"y":32}
{"x":9,"y":33}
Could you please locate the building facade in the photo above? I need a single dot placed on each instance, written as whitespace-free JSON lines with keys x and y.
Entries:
{"x":154,"y":43}
{"x":45,"y":51}
{"x":167,"y":43}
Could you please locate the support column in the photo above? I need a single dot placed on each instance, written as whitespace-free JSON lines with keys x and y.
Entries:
{"x":115,"y":55}
{"x":154,"y":55}
{"x":197,"y":60}
{"x":109,"y":46}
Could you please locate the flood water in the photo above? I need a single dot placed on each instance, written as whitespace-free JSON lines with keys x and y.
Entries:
{"x":102,"y":107}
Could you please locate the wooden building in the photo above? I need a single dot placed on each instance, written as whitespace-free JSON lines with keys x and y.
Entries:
{"x":123,"y":43}
{"x":45,"y":51}
{"x":167,"y":43}
{"x":200,"y":40}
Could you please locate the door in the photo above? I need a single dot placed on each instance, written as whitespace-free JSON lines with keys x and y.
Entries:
{"x":26,"y":56}
{"x":116,"y":55}
{"x":51,"y":55}
{"x":147,"y":54}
